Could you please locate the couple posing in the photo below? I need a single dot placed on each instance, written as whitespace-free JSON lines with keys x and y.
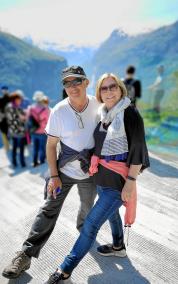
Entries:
{"x":111,"y":130}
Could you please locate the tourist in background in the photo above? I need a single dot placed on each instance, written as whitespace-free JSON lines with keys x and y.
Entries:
{"x":4,"y":100}
{"x":16,"y":120}
{"x":158,"y":89}
{"x":133,"y":85}
{"x":39,"y":113}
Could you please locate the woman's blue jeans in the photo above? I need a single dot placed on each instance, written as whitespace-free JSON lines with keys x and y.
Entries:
{"x":105,"y":208}
{"x":39,"y":147}
{"x":18,"y":142}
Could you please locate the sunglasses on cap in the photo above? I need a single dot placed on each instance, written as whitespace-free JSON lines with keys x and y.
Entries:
{"x":73,"y":83}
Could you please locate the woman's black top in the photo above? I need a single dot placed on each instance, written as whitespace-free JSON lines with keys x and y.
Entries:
{"x":137,"y":149}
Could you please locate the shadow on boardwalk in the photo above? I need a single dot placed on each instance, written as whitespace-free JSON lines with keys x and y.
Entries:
{"x":114,"y":270}
{"x":24,"y":279}
{"x":162,"y":169}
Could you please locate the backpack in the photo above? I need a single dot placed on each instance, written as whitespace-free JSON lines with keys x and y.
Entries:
{"x":130,"y":90}
{"x":33,"y":124}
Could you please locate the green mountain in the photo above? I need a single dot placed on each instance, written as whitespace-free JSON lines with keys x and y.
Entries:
{"x":145,"y":51}
{"x":23,"y":66}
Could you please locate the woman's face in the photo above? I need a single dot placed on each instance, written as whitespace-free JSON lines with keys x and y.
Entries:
{"x":17,"y":101}
{"x":110,"y":92}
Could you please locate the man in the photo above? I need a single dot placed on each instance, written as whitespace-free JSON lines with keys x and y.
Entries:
{"x":4,"y":100}
{"x":133,"y":86}
{"x":72,"y":122}
{"x":158,"y":89}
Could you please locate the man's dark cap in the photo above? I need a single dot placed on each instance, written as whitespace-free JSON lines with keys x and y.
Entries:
{"x":73,"y":71}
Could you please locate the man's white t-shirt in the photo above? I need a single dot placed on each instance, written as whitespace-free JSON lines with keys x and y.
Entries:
{"x":67,"y":125}
{"x":159,"y":83}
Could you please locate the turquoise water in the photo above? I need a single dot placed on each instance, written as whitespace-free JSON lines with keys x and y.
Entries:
{"x":163,"y":139}
{"x":164,"y":150}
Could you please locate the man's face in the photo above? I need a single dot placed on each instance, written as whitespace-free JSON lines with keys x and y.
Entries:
{"x":75,"y":87}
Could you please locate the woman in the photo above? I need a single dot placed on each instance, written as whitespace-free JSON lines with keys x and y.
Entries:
{"x":120,"y":154}
{"x":39,"y":112}
{"x":16,"y":119}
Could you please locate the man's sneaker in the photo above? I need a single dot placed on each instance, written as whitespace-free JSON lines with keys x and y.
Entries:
{"x":57,"y":278}
{"x":18,"y":265}
{"x":108,"y":250}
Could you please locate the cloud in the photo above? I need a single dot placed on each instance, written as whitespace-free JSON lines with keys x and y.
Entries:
{"x":78,"y":22}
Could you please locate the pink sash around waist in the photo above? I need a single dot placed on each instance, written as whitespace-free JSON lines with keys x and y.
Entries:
{"x":122,"y":169}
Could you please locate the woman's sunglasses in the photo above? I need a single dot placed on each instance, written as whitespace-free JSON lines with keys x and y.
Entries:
{"x":112,"y":88}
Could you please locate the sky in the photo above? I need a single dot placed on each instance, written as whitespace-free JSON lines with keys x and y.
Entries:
{"x":83,"y":22}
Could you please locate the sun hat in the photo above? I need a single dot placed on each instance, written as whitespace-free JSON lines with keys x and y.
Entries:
{"x":38,"y":96}
{"x":16,"y":94}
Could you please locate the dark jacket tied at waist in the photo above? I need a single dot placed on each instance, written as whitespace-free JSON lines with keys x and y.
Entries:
{"x":68,"y":154}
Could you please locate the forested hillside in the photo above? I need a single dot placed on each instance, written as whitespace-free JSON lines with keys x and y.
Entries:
{"x":23,"y":66}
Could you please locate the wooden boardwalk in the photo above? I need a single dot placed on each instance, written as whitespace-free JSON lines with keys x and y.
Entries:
{"x":153,"y":242}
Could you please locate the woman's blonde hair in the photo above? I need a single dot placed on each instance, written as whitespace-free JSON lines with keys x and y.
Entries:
{"x":118,"y":81}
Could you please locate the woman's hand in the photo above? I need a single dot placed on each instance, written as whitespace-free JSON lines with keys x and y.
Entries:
{"x":130,"y":183}
{"x":54,"y":185}
{"x":128,"y":189}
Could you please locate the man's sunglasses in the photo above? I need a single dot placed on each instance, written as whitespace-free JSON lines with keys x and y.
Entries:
{"x":112,"y":88}
{"x":73,"y":83}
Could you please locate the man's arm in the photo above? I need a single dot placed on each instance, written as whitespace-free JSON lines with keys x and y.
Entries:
{"x":156,"y":83}
{"x":51,"y":154}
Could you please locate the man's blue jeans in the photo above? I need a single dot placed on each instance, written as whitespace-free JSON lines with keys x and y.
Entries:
{"x":105,"y":208}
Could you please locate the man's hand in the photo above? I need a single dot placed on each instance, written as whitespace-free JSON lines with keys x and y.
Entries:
{"x":54,"y":185}
{"x":54,"y":182}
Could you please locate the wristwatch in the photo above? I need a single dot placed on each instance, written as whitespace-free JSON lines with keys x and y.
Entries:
{"x":131,"y":178}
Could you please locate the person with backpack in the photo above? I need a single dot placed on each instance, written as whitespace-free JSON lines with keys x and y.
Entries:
{"x":38,"y":115}
{"x":133,"y":85}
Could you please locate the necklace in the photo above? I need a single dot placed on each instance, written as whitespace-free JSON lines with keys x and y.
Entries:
{"x":78,"y":113}
{"x":84,"y":108}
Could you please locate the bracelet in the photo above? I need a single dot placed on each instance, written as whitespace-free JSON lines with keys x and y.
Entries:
{"x":131,"y":178}
{"x":56,"y":176}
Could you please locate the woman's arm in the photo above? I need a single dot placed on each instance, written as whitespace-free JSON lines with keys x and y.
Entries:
{"x":134,"y":126}
{"x":130,"y":183}
{"x":138,"y":155}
